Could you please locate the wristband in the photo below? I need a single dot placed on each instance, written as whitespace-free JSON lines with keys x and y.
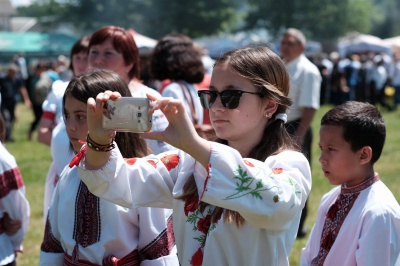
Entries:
{"x":99,"y":147}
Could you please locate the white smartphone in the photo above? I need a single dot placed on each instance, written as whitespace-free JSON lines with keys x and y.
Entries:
{"x":127,"y":114}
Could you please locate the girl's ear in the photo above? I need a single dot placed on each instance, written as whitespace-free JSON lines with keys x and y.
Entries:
{"x":270,"y":107}
{"x":365,"y":155}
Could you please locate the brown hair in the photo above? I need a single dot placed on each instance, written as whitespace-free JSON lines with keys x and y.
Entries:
{"x":123,"y":42}
{"x":99,"y":80}
{"x":268,"y":73}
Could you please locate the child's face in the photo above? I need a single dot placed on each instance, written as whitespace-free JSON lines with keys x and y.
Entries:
{"x":244,"y":125}
{"x":75,"y":121}
{"x":80,"y":63}
{"x":339,"y":163}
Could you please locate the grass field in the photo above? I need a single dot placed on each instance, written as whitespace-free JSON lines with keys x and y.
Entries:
{"x":34,"y":160}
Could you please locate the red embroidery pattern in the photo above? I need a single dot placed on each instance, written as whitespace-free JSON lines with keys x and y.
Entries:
{"x":50,"y":244}
{"x":153,"y":163}
{"x":191,"y":204}
{"x":131,"y":161}
{"x":336,"y":215}
{"x":197,"y":259}
{"x":170,"y":161}
{"x":161,"y":246}
{"x":277,"y":171}
{"x":202,"y":223}
{"x":206,"y":181}
{"x":87,"y":224}
{"x":69,"y":261}
{"x":248,"y":163}
{"x":10,"y":180}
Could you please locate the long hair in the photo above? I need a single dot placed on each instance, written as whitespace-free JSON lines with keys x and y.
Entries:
{"x":99,"y":80}
{"x":123,"y":42}
{"x":268,"y":73}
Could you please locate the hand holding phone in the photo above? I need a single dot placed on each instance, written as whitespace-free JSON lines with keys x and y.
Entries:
{"x":127,"y":114}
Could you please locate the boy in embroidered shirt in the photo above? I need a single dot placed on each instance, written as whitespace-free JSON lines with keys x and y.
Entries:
{"x":358,"y":222}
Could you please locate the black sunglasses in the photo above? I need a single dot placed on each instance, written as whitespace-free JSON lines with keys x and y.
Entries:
{"x":229,"y":98}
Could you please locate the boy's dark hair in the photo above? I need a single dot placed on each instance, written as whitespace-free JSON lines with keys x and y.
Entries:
{"x":362,"y":123}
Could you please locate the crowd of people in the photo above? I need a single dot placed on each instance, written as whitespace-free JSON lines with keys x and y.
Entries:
{"x":365,"y":76}
{"x":178,"y":196}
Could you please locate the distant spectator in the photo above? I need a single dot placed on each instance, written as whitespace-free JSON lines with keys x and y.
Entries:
{"x":35,"y":97}
{"x":351,"y":72}
{"x":177,"y":59}
{"x":305,"y":85}
{"x":394,"y":75}
{"x":62,"y":68}
{"x":338,"y":86}
{"x":379,"y":79}
{"x":12,"y":87}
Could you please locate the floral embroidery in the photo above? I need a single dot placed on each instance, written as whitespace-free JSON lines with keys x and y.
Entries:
{"x":277,"y":171}
{"x":276,"y":198}
{"x":244,"y":186}
{"x":201,"y":223}
{"x":170,"y":161}
{"x":248,"y":163}
{"x":197,"y":259}
{"x":191,"y":205}
{"x":153,"y":163}
{"x":131,"y":161}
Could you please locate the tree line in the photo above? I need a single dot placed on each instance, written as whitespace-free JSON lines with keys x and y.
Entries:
{"x":322,"y":20}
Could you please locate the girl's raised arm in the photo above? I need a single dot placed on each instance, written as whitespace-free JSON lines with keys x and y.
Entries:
{"x":180,"y":132}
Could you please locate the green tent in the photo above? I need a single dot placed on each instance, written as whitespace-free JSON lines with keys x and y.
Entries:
{"x":35,"y":44}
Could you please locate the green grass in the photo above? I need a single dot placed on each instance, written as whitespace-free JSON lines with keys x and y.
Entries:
{"x":34,"y":159}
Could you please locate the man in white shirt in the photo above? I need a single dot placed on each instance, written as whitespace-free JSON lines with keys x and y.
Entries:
{"x":305,"y":85}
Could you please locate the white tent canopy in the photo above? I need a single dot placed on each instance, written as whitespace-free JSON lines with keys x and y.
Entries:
{"x":145,"y":44}
{"x":359,"y":43}
{"x":394,"y":42}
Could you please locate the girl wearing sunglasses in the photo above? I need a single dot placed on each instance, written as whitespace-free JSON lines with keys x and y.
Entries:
{"x":235,"y":201}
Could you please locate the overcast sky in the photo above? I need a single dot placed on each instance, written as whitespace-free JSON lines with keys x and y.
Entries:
{"x":20,"y":2}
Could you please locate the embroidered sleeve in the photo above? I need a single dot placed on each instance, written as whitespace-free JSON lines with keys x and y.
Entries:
{"x":50,"y":243}
{"x":136,"y":182}
{"x":14,"y":202}
{"x":11,"y":179}
{"x":267,"y":194}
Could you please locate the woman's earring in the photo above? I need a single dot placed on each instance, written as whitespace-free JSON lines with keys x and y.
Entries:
{"x":268,"y":115}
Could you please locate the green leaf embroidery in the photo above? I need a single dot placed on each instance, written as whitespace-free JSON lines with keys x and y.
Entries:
{"x":243,"y":186}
